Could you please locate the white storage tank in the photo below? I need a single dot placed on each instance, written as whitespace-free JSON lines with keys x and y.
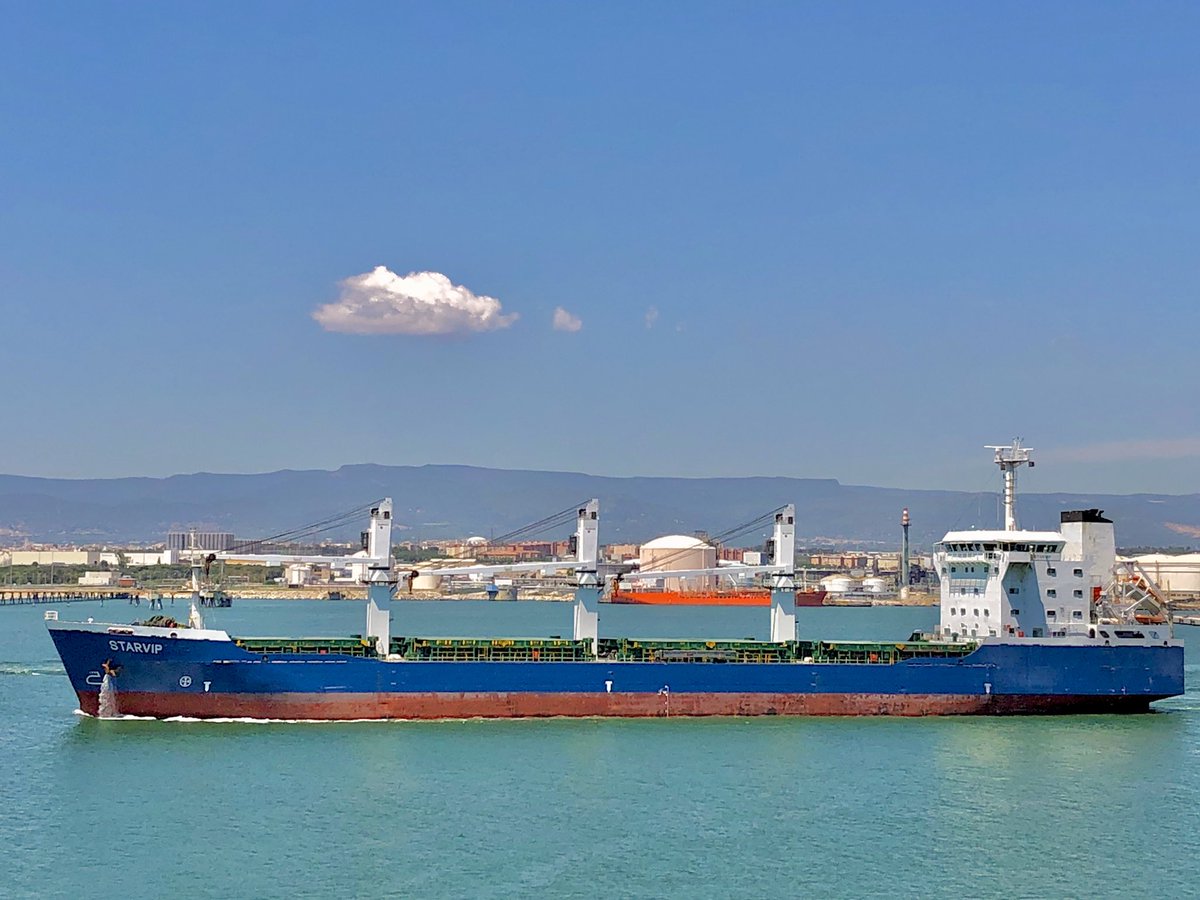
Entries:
{"x":875,"y":585}
{"x":1174,"y":574}
{"x":838,"y":584}
{"x":675,"y":552}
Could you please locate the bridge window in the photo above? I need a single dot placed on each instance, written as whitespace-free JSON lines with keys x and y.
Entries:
{"x":1014,"y":590}
{"x":1077,"y":614}
{"x":1049,"y":614}
{"x":1078,"y":573}
{"x":1052,"y":593}
{"x":1051,"y":571}
{"x":975,"y":612}
{"x":1079,"y":595}
{"x":1016,"y":612}
{"x":985,"y":613}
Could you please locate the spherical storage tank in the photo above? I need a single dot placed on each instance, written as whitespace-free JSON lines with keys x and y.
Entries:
{"x":674,"y":552}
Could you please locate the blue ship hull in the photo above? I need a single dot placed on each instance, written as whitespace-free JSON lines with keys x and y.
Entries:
{"x":153,"y":673}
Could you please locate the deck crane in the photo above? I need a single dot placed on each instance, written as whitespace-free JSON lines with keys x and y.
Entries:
{"x":382,"y":578}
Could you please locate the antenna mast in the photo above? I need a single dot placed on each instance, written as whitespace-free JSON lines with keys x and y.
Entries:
{"x":1009,"y":459}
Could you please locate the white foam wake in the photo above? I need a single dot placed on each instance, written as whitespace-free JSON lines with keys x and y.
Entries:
{"x":15,"y":668}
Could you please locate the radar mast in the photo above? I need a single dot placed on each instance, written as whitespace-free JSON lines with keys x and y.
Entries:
{"x":1009,"y":459}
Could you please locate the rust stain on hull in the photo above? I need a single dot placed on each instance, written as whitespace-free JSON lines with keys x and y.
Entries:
{"x":335,"y":707}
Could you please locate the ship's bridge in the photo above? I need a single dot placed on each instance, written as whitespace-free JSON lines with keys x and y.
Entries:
{"x":988,"y":545}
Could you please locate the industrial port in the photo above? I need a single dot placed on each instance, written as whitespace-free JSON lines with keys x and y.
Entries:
{"x":841,"y":577}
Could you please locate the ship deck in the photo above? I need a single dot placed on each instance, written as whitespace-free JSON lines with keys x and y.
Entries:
{"x":427,"y":649}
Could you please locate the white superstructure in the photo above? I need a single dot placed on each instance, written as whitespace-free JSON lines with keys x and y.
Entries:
{"x":1015,"y":583}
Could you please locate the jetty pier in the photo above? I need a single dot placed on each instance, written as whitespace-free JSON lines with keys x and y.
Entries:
{"x":29,"y":596}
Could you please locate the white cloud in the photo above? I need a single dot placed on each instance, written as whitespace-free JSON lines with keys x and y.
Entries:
{"x":564,"y":321}
{"x":651,"y":316}
{"x":421,"y":303}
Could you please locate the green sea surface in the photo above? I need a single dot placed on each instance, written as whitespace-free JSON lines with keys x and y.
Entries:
{"x":1075,"y":806}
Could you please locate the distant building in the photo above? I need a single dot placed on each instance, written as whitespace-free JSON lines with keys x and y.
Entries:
{"x":524,"y":551}
{"x":98,"y":579}
{"x":141,"y":557}
{"x":301,"y":574}
{"x":208,"y":541}
{"x":836,"y":560}
{"x":55,"y":557}
{"x":621,"y":552}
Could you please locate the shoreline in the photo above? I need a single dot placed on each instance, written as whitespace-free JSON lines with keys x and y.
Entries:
{"x":356,"y":593}
{"x":63,"y":593}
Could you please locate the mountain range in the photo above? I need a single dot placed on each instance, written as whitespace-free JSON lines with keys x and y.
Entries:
{"x":438,"y":501}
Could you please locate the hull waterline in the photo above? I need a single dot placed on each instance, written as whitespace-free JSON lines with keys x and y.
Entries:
{"x":357,"y":707}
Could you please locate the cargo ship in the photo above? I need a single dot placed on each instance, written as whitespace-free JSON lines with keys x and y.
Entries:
{"x":715,"y":597}
{"x":1031,"y":622}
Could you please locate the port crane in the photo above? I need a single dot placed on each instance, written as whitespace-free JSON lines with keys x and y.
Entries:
{"x":382,"y":578}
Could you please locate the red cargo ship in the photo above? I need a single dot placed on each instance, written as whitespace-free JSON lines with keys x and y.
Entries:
{"x":747,"y":597}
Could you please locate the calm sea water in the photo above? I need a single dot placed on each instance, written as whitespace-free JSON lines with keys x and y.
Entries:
{"x":1032,"y":807}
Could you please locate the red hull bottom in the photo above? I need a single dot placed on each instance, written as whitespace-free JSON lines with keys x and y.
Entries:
{"x":333,"y":707}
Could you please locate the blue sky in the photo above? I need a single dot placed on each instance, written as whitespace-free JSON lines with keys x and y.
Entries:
{"x":867,"y":238}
